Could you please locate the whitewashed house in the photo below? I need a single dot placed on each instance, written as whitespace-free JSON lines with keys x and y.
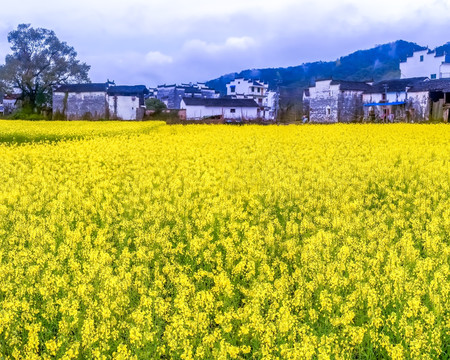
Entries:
{"x":127,"y":102}
{"x":95,"y":101}
{"x":266,"y":99}
{"x":10,"y":102}
{"x":245,"y":88}
{"x":387,"y":100}
{"x":426,"y":63}
{"x":332,"y":101}
{"x":220,"y":108}
{"x":430,"y":100}
{"x":171,"y":95}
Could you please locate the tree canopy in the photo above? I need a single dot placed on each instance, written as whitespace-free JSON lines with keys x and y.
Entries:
{"x":39,"y":61}
{"x":155,"y":105}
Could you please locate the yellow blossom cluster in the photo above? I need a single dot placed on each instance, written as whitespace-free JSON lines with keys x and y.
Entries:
{"x":148,"y":241}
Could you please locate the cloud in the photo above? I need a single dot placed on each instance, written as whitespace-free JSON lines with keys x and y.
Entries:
{"x":157,"y":58}
{"x":142,"y":41}
{"x":231,"y":44}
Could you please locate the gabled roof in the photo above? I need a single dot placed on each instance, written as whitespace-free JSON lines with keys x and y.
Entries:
{"x":221,"y":102}
{"x":432,"y":85}
{"x":128,"y":90}
{"x":192,"y":90}
{"x":257,"y":83}
{"x":79,"y":88}
{"x":351,"y":85}
{"x":394,"y":86}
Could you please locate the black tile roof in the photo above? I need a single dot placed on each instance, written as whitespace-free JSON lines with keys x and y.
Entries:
{"x":257,"y":83}
{"x":351,"y":85}
{"x":128,"y":90}
{"x":221,"y":102}
{"x":79,"y":88}
{"x":192,"y":90}
{"x":432,"y":85}
{"x":396,"y":85}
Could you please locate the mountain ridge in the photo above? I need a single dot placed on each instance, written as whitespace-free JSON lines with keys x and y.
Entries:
{"x":375,"y":64}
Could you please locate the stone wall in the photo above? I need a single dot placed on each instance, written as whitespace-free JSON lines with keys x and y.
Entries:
{"x":350,"y":106}
{"x":72,"y":106}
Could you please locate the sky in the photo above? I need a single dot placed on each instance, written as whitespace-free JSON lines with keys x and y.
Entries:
{"x":154,"y":42}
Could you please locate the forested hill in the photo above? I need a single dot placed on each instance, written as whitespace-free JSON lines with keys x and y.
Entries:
{"x":378,"y":63}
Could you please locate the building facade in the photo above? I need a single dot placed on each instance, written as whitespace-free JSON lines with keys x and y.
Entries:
{"x":99,"y":101}
{"x":171,"y":95}
{"x":387,"y":101}
{"x":267,"y":100}
{"x":426,"y":63}
{"x":430,"y":100}
{"x":332,"y":101}
{"x":220,"y":108}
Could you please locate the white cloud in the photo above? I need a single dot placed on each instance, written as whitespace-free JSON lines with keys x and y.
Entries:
{"x":198,"y":39}
{"x":158,"y":58}
{"x":230,"y":44}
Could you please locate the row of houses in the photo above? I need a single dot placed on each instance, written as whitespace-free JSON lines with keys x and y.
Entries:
{"x":245,"y":100}
{"x":421,"y":94}
{"x":99,"y":101}
{"x":413,"y":99}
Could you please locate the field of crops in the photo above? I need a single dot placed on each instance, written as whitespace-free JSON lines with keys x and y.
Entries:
{"x":148,"y":241}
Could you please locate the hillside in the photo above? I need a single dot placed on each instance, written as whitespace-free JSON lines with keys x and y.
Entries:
{"x":378,"y":63}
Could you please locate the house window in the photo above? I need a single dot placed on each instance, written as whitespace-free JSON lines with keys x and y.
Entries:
{"x":233,"y":88}
{"x":383,"y":97}
{"x":433,"y":76}
{"x":253,"y":89}
{"x":328,"y":112}
{"x":421,"y":58}
{"x":232,"y":111}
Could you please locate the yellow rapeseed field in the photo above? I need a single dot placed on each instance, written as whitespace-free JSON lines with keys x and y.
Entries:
{"x":148,"y":241}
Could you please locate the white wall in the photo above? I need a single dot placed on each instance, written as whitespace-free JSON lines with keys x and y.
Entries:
{"x":244,"y":87}
{"x":430,"y":65}
{"x":126,"y":107}
{"x":445,"y":71}
{"x":200,"y":112}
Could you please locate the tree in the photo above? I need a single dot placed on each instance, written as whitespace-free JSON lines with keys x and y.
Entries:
{"x":39,"y":61}
{"x":154,"y":104}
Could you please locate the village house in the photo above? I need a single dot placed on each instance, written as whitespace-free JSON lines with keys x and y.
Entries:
{"x":10,"y":103}
{"x":171,"y":95}
{"x":99,"y":101}
{"x":332,"y":101}
{"x":81,"y":101}
{"x":388,"y":100}
{"x":428,"y":63}
{"x":126,"y":102}
{"x":220,"y":108}
{"x":430,"y":100}
{"x":266,"y":99}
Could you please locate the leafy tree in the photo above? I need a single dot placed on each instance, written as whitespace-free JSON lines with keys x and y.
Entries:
{"x":154,"y":104}
{"x":39,"y":61}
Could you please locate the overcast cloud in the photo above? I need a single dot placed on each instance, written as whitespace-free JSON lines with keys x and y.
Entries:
{"x":154,"y":42}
